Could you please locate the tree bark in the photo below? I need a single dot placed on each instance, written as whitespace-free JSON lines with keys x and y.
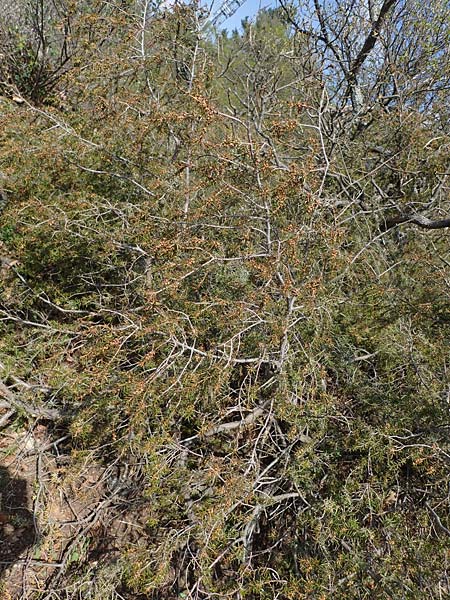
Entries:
{"x":419,"y":220}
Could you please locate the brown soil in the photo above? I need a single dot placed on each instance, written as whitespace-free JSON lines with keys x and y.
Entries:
{"x":54,"y":518}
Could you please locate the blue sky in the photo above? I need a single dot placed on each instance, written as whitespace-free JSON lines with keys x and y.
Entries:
{"x":249,"y":9}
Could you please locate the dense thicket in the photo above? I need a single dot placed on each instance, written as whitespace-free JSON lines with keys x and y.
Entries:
{"x":225,"y":272}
